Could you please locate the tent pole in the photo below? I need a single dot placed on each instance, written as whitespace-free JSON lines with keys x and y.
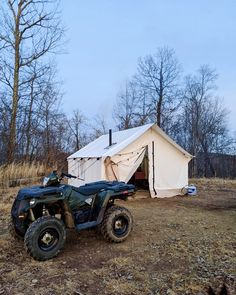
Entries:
{"x":153,"y":169}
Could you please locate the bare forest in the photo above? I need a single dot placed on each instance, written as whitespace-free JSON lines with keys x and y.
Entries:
{"x":34,"y":128}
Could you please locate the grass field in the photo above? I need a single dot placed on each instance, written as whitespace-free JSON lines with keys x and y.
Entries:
{"x":180,"y":245}
{"x":23,"y":173}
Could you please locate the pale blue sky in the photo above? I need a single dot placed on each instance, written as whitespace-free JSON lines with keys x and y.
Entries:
{"x":106,"y":37}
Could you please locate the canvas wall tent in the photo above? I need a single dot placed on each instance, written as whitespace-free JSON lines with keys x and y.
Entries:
{"x":167,"y":161}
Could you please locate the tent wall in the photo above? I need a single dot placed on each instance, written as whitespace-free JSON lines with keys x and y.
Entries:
{"x":170,"y":167}
{"x":88,"y":169}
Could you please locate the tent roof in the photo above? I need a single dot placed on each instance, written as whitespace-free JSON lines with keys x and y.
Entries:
{"x":100,"y":147}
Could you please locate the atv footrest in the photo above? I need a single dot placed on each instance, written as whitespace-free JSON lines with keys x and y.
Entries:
{"x":86,"y":225}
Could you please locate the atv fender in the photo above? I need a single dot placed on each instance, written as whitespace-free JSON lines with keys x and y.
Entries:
{"x":100,"y":205}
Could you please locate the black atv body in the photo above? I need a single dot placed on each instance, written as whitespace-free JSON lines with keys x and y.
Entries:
{"x":41,"y":213}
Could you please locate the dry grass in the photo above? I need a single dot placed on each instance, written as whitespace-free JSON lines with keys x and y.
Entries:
{"x":213,"y":183}
{"x":179,"y":246}
{"x":16,"y":174}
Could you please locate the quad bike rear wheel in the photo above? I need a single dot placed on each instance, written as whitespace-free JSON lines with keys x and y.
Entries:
{"x":117,"y":224}
{"x":45,"y":237}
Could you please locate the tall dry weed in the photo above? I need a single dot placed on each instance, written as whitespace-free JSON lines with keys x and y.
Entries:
{"x":12,"y":174}
{"x":213,"y":183}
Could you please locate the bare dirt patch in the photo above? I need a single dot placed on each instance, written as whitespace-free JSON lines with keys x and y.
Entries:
{"x":179,"y":245}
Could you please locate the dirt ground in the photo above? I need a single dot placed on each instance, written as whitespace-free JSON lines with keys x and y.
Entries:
{"x":180,"y":245}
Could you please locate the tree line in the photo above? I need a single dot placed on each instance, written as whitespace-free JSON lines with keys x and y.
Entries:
{"x":186,"y":107}
{"x":33,"y":126}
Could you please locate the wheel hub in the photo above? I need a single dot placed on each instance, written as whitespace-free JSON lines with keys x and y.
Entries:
{"x":47,"y":238}
{"x":118,"y":224}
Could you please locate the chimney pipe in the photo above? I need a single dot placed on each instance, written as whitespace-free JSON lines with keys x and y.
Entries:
{"x":110,"y":137}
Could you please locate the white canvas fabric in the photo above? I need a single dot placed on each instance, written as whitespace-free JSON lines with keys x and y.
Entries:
{"x":128,"y":163}
{"x":168,"y":162}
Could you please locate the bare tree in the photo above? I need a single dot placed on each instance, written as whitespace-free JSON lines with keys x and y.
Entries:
{"x":30,"y":29}
{"x":153,"y":94}
{"x":39,"y":76}
{"x":158,"y":75}
{"x":203,"y":120}
{"x":40,"y":110}
{"x":4,"y":125}
{"x":76,"y":125}
{"x":98,"y":127}
{"x":126,"y":107}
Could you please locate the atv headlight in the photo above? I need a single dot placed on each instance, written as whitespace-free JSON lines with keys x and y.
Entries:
{"x":45,"y":181}
{"x":32,"y":202}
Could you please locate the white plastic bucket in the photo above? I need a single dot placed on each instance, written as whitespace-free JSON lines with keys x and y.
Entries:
{"x":192,"y":190}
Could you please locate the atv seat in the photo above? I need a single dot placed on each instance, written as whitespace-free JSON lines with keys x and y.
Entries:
{"x":92,"y":188}
{"x":96,"y":187}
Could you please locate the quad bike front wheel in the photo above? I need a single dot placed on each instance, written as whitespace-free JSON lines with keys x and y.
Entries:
{"x":117,"y":224}
{"x":45,"y":237}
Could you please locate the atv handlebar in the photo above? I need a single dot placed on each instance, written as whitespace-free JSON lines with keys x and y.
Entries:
{"x":67,"y":175}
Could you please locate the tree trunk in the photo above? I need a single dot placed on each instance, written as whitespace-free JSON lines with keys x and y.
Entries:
{"x":160,"y":100}
{"x":15,"y":96}
{"x":159,"y":112}
{"x":28,"y":135}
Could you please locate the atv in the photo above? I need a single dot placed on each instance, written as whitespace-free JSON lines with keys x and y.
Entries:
{"x":41,"y":214}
